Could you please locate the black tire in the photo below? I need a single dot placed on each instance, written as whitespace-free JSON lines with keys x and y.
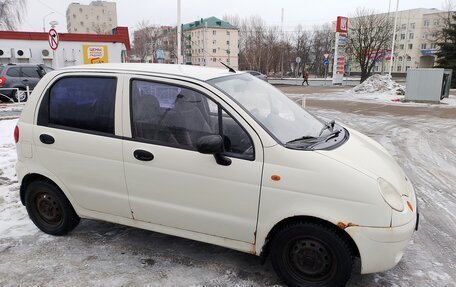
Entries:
{"x":49,"y":208}
{"x":23,"y":93}
{"x":311,"y":254}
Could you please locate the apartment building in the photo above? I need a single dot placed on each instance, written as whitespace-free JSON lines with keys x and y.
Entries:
{"x":99,"y":17}
{"x":416,"y":40}
{"x":209,"y":41}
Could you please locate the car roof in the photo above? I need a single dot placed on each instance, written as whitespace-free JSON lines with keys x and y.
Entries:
{"x":189,"y":71}
{"x":20,"y":65}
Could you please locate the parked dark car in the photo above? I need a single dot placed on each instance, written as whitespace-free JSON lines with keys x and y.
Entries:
{"x":19,"y":76}
{"x":258,"y":75}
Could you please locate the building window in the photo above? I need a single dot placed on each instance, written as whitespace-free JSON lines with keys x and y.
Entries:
{"x":409,"y":58}
{"x":426,"y":23}
{"x":412,"y":25}
{"x":80,"y":10}
{"x":436,"y":22}
{"x":214,"y":32}
{"x":402,"y":36}
{"x":74,"y":16}
{"x":423,"y":46}
{"x":411,"y":36}
{"x":87,"y":16}
{"x":400,"y":59}
{"x":404,"y":26}
{"x":214,"y":50}
{"x":214,"y":60}
{"x":410,"y":46}
{"x":433,"y":46}
{"x":399,"y":68}
{"x":214,"y":42}
{"x":82,"y":23}
{"x":228,"y":43}
{"x":227,"y":33}
{"x":401,"y":46}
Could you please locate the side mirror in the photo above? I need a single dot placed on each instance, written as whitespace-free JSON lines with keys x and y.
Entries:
{"x":213,"y":144}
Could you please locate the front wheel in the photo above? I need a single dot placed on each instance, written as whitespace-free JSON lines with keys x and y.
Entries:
{"x":311,"y":254}
{"x":49,"y":209}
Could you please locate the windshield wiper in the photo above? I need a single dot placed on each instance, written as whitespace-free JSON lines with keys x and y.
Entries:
{"x":302,"y":139}
{"x":333,"y":134}
{"x":328,"y":125}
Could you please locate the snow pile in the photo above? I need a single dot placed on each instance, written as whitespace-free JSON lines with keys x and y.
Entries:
{"x":379,"y":84}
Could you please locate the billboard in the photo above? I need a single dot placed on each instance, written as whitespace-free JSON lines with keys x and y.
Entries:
{"x":95,"y":54}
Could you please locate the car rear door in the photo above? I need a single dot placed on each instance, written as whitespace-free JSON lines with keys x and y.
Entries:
{"x":77,"y":139}
{"x":30,"y":76}
{"x":169,"y":182}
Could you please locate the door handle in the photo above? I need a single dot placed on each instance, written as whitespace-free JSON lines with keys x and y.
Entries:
{"x":25,"y":80}
{"x":47,"y":139}
{"x":143,"y":155}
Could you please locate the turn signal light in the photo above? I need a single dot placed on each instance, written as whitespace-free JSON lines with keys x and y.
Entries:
{"x":275,"y":177}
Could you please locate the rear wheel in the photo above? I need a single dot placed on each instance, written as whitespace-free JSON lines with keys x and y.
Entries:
{"x":311,"y":254}
{"x":49,"y":209}
{"x":20,"y":94}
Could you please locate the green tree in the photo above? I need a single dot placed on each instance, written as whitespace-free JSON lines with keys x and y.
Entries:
{"x":446,"y":55}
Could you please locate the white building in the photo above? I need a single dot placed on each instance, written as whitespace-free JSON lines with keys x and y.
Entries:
{"x":99,"y":17}
{"x":209,"y":41}
{"x":72,"y":49}
{"x":416,"y":40}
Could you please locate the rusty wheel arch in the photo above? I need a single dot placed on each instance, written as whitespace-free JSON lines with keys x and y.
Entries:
{"x":301,"y":219}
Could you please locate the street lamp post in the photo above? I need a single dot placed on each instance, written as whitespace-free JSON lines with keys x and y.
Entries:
{"x":394,"y":39}
{"x":44,"y":21}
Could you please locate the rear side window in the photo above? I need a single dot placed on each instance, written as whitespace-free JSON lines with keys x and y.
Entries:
{"x":1,"y":70}
{"x":13,"y":72}
{"x":30,"y":72}
{"x":85,"y":103}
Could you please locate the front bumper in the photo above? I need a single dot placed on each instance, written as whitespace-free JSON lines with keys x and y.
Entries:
{"x":381,"y":248}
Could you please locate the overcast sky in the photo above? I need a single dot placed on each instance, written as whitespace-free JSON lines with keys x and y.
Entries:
{"x":305,"y":12}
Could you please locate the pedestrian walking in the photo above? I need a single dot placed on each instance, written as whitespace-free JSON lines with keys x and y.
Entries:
{"x":305,"y":78}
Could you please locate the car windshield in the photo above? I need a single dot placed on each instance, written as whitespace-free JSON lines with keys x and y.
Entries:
{"x":280,"y":116}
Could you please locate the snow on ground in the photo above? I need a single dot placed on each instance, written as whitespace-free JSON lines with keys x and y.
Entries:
{"x":14,"y":221}
{"x":105,"y":254}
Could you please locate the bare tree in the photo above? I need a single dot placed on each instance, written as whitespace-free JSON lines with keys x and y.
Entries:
{"x":368,"y":35}
{"x":11,"y":13}
{"x":145,"y":40}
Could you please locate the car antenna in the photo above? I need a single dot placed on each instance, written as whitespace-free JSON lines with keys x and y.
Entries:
{"x":228,"y":67}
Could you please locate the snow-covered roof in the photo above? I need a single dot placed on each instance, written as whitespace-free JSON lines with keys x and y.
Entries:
{"x":196,"y":72}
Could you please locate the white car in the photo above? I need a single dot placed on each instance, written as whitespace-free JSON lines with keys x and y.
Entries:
{"x":216,"y":156}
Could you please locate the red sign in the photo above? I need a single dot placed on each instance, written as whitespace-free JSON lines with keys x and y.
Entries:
{"x":53,"y":39}
{"x":342,"y":24}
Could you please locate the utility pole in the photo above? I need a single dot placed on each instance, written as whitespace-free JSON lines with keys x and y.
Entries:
{"x":281,"y":52}
{"x":394,"y":39}
{"x":179,"y":31}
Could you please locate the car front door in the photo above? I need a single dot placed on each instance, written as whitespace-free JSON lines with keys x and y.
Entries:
{"x":77,"y":140}
{"x":169,"y":182}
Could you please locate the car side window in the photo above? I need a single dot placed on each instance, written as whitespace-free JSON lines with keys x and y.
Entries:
{"x":170,"y":115}
{"x":176,"y":116}
{"x":14,"y":72}
{"x":83,"y":103}
{"x":30,"y":72}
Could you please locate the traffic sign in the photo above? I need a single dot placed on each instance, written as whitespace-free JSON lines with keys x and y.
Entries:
{"x":326,"y":62}
{"x":298,"y":60}
{"x":53,"y":39}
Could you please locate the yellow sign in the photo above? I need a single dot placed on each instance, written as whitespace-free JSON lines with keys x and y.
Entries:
{"x":95,"y":54}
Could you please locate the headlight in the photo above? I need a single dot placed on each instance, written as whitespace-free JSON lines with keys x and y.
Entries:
{"x":390,"y":194}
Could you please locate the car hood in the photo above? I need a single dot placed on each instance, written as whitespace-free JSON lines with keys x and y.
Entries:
{"x":369,"y":157}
